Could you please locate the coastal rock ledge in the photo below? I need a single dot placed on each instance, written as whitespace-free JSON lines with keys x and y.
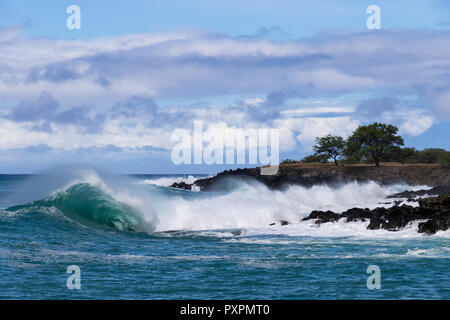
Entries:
{"x":313,"y":174}
{"x":434,"y":211}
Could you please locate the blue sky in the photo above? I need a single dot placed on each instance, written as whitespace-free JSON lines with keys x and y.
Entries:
{"x":112,"y":93}
{"x":298,"y":18}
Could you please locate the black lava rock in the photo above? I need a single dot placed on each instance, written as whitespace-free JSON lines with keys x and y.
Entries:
{"x":435,"y":210}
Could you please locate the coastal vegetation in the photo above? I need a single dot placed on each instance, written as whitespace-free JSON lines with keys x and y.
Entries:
{"x":330,"y":147}
{"x":372,"y":144}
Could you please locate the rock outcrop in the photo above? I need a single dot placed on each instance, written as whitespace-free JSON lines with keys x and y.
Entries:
{"x":314,"y":174}
{"x":435,"y":211}
{"x":441,"y":190}
{"x":181,"y":185}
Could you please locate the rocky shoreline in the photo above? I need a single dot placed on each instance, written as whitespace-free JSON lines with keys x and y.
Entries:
{"x":432,"y":212}
{"x":314,"y":174}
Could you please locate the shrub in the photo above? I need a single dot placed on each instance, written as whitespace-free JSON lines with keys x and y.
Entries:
{"x":288,"y":161}
{"x":444,"y":161}
{"x":315,"y":158}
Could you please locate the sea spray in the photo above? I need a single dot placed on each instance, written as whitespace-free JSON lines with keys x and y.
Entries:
{"x":128,"y":204}
{"x":253,"y":205}
{"x":167,"y":181}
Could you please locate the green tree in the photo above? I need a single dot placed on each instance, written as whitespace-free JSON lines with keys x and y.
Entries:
{"x":315,"y":158}
{"x":444,"y":161}
{"x":374,"y":142}
{"x":402,"y":155}
{"x":430,"y":155}
{"x":330,"y":147}
{"x":407,"y":155}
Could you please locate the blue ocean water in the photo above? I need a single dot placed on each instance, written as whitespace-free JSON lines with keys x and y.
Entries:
{"x":134,"y":238}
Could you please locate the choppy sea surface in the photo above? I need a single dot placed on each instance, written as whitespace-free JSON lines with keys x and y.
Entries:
{"x":132,"y":237}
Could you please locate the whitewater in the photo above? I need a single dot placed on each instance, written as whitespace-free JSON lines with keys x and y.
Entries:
{"x":135,"y":237}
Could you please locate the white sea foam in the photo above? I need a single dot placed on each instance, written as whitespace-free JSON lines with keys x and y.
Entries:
{"x":335,"y":229}
{"x":251,"y":206}
{"x":429,"y":253}
{"x":168,"y":181}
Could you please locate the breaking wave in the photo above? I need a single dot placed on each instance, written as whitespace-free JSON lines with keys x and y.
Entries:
{"x":86,"y":203}
{"x":126,"y":205}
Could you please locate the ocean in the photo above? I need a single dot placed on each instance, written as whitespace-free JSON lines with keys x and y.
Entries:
{"x":132,"y":237}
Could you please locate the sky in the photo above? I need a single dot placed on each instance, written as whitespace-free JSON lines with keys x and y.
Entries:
{"x":111,"y":93}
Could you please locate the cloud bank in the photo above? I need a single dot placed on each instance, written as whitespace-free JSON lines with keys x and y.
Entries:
{"x":114,"y":92}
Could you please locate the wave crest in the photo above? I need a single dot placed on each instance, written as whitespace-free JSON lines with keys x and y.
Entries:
{"x":87,"y":204}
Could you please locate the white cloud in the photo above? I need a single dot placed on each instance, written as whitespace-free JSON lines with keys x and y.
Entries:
{"x":309,"y":128}
{"x":194,"y":64}
{"x":98,"y":73}
{"x":253,"y":102}
{"x":67,"y":137}
{"x":318,"y":110}
{"x":410,"y":122}
{"x":416,"y":126}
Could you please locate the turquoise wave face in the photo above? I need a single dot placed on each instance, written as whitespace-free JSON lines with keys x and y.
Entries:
{"x":87,"y":204}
